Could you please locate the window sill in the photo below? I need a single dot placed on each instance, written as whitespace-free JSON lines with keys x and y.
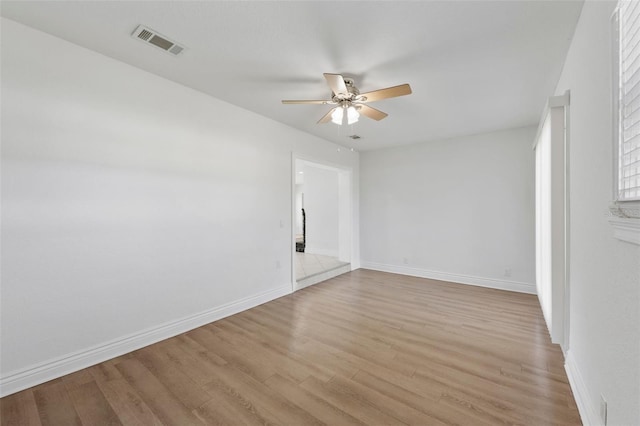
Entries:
{"x":626,"y":229}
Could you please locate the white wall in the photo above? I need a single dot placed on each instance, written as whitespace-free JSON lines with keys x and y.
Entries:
{"x":321,"y":209}
{"x":132,"y":207}
{"x":459,"y":209}
{"x":345,"y":230}
{"x":604,"y":346}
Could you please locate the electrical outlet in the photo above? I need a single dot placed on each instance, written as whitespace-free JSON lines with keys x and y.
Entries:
{"x":507,"y":272}
{"x":603,"y":410}
{"x":277,"y":264}
{"x":405,"y":260}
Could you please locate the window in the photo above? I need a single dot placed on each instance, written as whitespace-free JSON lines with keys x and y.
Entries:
{"x":626,"y":101}
{"x":627,"y":95}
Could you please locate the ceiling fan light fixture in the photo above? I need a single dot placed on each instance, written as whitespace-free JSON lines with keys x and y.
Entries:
{"x":336,"y":115}
{"x":352,"y":115}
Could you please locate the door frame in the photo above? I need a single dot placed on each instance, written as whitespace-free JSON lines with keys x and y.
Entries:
{"x":346,"y":244}
{"x":557,"y":112}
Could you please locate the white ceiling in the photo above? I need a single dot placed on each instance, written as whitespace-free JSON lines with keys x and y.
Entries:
{"x":474,"y":66}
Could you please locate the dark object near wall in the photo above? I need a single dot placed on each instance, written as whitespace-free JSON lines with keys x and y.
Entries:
{"x":300,"y":245}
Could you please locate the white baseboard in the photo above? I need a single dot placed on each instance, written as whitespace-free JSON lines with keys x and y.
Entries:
{"x":322,"y":252}
{"x":519,"y":287}
{"x":588,"y":413}
{"x":52,"y":369}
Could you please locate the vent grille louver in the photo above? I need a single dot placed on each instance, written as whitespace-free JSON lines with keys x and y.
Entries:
{"x":145,"y":35}
{"x":149,"y":36}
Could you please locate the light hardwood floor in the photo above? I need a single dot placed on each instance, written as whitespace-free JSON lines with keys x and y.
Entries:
{"x":363,"y":348}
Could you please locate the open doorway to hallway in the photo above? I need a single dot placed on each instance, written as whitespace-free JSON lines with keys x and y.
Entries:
{"x":322,"y":224}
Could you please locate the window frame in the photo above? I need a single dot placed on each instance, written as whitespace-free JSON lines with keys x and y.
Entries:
{"x":620,"y":208}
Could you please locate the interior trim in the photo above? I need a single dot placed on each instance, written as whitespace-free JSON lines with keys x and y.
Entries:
{"x":588,"y":413}
{"x":626,"y":229}
{"x":49,"y":370}
{"x":516,"y":286}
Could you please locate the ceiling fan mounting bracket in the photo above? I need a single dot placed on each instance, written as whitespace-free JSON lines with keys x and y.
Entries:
{"x":349,"y":82}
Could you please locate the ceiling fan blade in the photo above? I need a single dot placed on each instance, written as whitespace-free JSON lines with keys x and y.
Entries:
{"x":389,"y":92}
{"x":310,"y":102}
{"x":327,"y":117}
{"x":336,"y":83}
{"x":373,"y":113}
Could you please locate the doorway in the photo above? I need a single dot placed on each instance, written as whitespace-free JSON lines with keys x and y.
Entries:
{"x":552,"y":274}
{"x":322,"y":222}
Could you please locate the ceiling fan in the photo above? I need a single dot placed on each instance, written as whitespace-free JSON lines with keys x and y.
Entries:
{"x":350,"y":103}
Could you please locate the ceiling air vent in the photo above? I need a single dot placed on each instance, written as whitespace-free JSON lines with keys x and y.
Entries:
{"x":147,"y":35}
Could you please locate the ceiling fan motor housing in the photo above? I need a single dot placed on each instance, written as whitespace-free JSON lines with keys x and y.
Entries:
{"x":352,"y":90}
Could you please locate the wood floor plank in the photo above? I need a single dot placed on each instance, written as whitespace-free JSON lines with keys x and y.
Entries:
{"x":164,"y":367}
{"x":362,"y":409}
{"x":19,"y":409}
{"x":393,"y":406}
{"x":244,"y":361}
{"x":196,"y":364}
{"x":319,"y":354}
{"x":278,"y":409}
{"x":283,"y":365}
{"x":92,"y":406}
{"x":162,"y":402}
{"x":348,"y":363}
{"x":104,"y":372}
{"x":365,"y":347}
{"x":420,"y":397}
{"x":77,"y":379}
{"x":222,"y":413}
{"x":197,"y":350}
{"x":55,"y":406}
{"x":126,"y":402}
{"x":317,"y":407}
{"x":257,"y":333}
{"x":228,"y":406}
{"x":488,"y":393}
